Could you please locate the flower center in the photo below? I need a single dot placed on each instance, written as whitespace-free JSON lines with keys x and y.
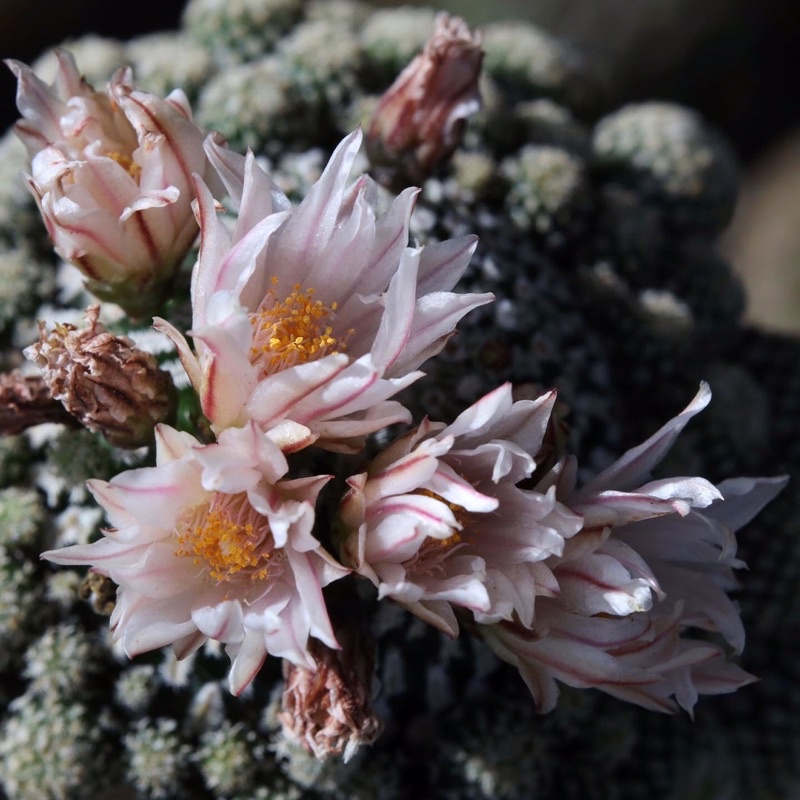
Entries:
{"x":434,"y":550}
{"x":127,"y":163}
{"x":292,"y":331}
{"x":230,"y":536}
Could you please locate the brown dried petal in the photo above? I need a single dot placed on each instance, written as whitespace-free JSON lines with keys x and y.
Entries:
{"x":101,"y":590}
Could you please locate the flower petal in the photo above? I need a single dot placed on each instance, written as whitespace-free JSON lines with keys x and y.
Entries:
{"x":634,"y":467}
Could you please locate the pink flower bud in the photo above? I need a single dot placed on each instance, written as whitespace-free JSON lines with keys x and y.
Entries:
{"x":419,"y":120}
{"x":112,"y":176}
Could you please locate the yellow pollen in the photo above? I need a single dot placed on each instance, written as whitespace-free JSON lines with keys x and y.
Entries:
{"x":292,"y":331}
{"x":459,"y":512}
{"x":223,"y":535}
{"x":127,"y":163}
{"x":450,"y":541}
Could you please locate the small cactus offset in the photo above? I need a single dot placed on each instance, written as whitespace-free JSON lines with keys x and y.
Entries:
{"x":340,"y":472}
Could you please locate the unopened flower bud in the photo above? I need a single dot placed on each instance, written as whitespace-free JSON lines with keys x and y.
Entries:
{"x":104,"y":380}
{"x":420,"y":119}
{"x":329,"y":710}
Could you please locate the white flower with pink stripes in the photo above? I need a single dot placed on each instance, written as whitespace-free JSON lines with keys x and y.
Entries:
{"x":318,"y":314}
{"x":439,"y":522}
{"x":653,"y":560}
{"x":213,"y":543}
{"x":112,"y":175}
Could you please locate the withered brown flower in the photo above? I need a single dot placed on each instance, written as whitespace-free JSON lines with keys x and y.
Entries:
{"x":329,"y":710}
{"x":104,"y":381}
{"x":26,"y":400}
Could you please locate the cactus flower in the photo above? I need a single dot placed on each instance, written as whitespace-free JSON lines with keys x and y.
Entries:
{"x":439,"y":522}
{"x":653,"y":559}
{"x":211,"y":543}
{"x":111,"y":173}
{"x":316,"y":314}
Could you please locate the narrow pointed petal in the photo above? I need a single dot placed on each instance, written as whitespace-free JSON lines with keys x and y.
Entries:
{"x":435,"y":318}
{"x":309,"y":229}
{"x":247,"y":663}
{"x":442,"y":264}
{"x":634,"y":467}
{"x":744,"y":498}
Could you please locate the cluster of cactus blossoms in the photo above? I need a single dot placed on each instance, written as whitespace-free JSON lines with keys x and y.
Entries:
{"x":307,"y":321}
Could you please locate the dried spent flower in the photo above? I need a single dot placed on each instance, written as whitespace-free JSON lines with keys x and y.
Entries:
{"x":104,"y":381}
{"x":25,"y":401}
{"x":329,"y":711}
{"x":419,"y":120}
{"x":101,"y":590}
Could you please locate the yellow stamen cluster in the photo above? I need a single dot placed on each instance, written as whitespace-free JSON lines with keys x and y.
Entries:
{"x":459,"y":513}
{"x":292,"y":331}
{"x":127,"y":163}
{"x":229,"y":536}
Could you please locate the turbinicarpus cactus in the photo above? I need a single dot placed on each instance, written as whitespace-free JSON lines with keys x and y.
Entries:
{"x":375,"y":451}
